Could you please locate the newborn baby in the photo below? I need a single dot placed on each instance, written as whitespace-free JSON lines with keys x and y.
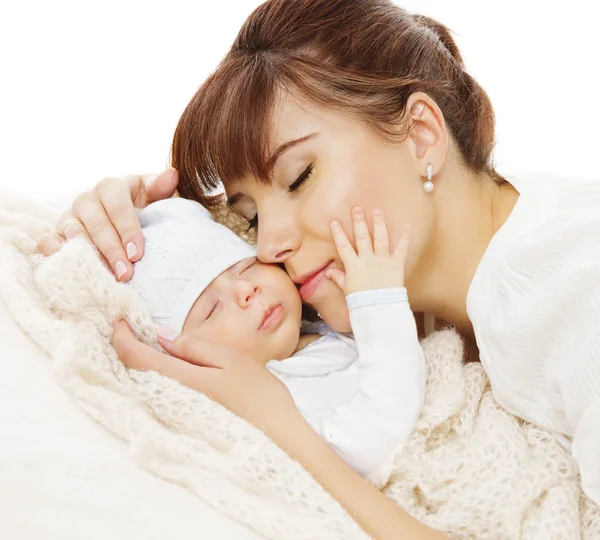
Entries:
{"x":362,"y":394}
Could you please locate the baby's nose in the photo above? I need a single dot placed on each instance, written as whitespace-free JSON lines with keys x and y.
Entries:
{"x":246,"y":291}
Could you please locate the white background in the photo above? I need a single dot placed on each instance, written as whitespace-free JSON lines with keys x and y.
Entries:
{"x":90,"y":89}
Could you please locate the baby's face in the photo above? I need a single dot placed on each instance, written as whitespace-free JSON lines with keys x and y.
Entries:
{"x":253,"y":307}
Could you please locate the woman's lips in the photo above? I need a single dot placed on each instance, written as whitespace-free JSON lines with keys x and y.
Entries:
{"x":272,"y":318}
{"x":308,"y":288}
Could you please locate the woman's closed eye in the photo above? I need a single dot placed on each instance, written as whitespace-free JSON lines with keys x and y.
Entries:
{"x":295,"y":185}
{"x":252,"y":223}
{"x":304,"y":176}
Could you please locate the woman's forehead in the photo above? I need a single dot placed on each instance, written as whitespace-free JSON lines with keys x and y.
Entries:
{"x":294,"y":117}
{"x":293,"y":120}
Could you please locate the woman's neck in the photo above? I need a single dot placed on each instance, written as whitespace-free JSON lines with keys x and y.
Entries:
{"x":470,"y":210}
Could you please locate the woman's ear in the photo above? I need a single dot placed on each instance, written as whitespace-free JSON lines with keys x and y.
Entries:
{"x":427,"y":133}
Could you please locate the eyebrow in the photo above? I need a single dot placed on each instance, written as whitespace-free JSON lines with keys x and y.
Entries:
{"x":287,"y":145}
{"x":231,"y":201}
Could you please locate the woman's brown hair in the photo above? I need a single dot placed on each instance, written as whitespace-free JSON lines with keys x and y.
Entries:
{"x":363,"y":58}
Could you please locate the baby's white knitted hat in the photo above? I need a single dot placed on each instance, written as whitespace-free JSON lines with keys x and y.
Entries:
{"x":184,"y":250}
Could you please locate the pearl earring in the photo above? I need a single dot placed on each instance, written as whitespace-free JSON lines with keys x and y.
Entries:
{"x":428,"y":186}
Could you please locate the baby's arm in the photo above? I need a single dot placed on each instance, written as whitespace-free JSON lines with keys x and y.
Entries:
{"x":367,"y":429}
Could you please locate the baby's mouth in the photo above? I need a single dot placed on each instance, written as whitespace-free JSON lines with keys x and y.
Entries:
{"x":272,"y":317}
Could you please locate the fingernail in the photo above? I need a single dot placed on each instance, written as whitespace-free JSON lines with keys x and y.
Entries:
{"x":131,"y":250}
{"x":167,"y":333}
{"x":335,"y":225}
{"x":120,"y":269}
{"x":377,"y":213}
{"x":358,"y":211}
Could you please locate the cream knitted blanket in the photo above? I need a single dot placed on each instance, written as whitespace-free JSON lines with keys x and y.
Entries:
{"x":469,"y":468}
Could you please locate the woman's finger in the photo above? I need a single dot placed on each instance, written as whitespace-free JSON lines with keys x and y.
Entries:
{"x":381,"y":243}
{"x":49,"y":244}
{"x":116,"y":197}
{"x":342,"y":244}
{"x":195,"y":350}
{"x":121,"y":198}
{"x":362,"y":236}
{"x":104,"y":236}
{"x":160,"y":187}
{"x":137,"y":355}
{"x":68,"y":226}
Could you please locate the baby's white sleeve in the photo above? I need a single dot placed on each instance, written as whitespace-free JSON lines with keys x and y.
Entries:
{"x":376,"y":422}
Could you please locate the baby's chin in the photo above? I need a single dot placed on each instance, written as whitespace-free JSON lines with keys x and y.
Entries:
{"x":281,"y":346}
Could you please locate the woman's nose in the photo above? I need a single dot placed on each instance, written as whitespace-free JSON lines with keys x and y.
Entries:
{"x":278,"y":235}
{"x":268,"y":253}
{"x":277,"y":241}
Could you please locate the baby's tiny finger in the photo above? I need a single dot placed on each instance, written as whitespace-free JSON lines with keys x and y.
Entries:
{"x":337,"y":276}
{"x":381,"y":243}
{"x":402,"y":246}
{"x":364,"y":246}
{"x":342,"y":244}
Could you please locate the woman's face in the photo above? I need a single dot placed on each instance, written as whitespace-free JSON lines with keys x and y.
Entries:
{"x":326,"y":164}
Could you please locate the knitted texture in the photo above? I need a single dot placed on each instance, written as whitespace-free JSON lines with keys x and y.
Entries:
{"x":469,"y":468}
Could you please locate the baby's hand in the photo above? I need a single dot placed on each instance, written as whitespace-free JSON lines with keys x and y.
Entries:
{"x":371,"y":266}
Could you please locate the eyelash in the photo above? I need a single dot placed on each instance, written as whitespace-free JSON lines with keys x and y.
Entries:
{"x":252,"y":223}
{"x":304,"y":176}
{"x":212,"y":311}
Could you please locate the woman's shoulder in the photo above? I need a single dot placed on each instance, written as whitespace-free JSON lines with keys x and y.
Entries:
{"x":536,"y":295}
{"x":543,"y":260}
{"x":553,"y":229}
{"x":547,"y":253}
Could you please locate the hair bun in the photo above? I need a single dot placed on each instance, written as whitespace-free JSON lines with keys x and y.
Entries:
{"x":442,"y":34}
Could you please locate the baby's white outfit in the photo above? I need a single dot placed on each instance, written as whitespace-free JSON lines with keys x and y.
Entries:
{"x":535,"y":307}
{"x":363,"y":395}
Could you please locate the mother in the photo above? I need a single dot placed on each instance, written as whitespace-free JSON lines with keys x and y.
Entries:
{"x":321,"y":105}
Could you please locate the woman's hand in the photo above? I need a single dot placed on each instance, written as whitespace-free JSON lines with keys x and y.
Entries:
{"x":107,"y":216}
{"x":226,"y":375}
{"x":371,"y":265}
{"x":252,"y":392}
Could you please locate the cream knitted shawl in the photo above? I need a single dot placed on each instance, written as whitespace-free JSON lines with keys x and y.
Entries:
{"x":469,"y":468}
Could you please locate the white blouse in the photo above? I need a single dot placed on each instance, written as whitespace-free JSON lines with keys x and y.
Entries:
{"x":535,"y":308}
